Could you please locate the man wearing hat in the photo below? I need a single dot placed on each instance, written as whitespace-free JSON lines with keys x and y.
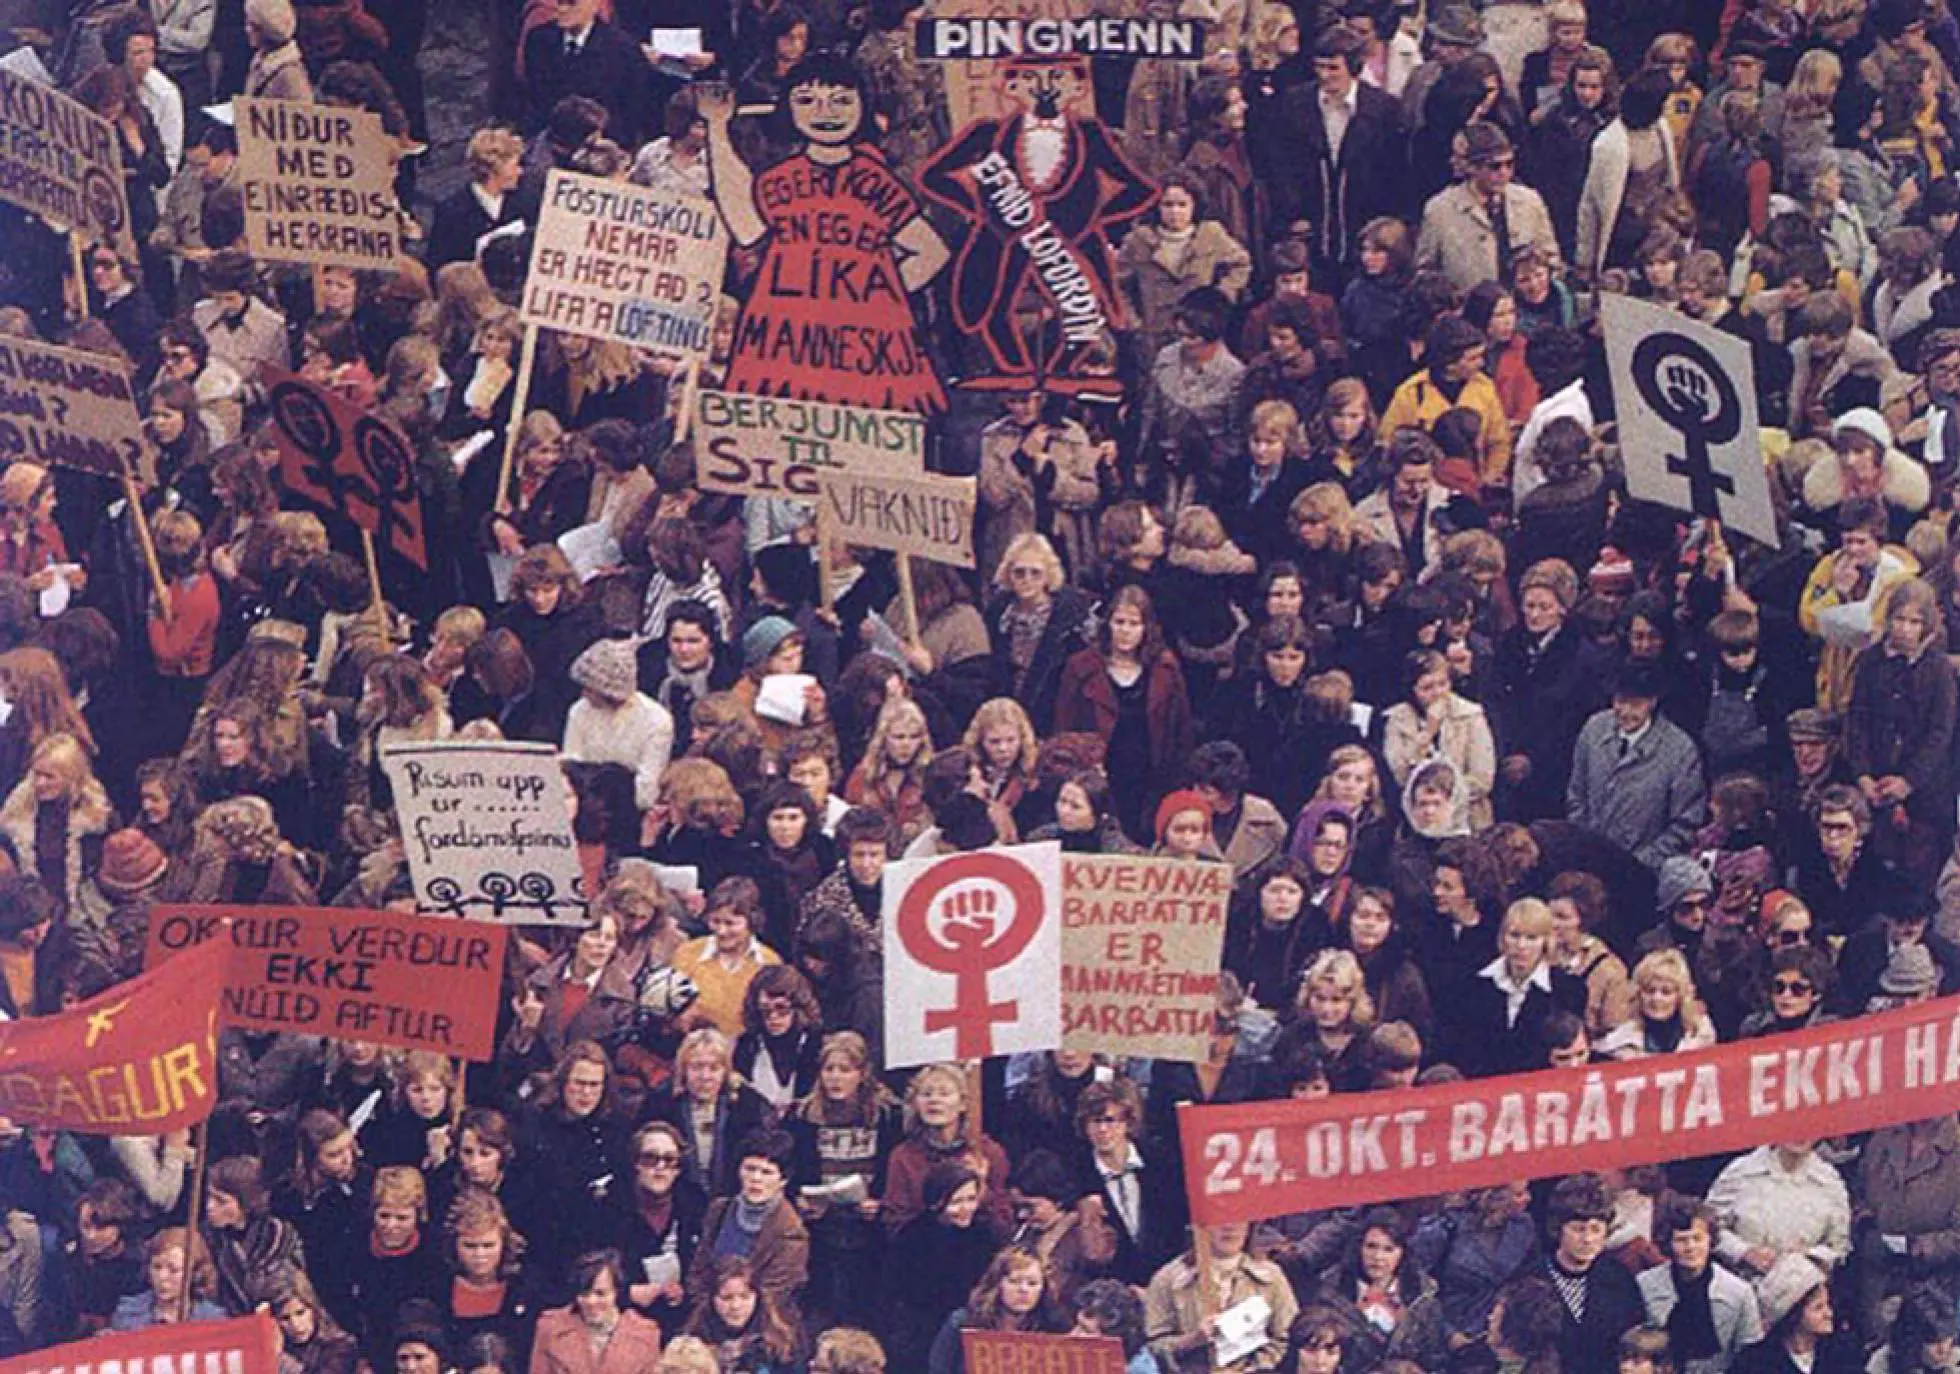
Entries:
{"x":1453,"y":33}
{"x":1899,"y":955}
{"x":1471,"y":231}
{"x":1338,"y":154}
{"x":1745,"y":68}
{"x":1926,"y":415}
{"x":1636,"y":776}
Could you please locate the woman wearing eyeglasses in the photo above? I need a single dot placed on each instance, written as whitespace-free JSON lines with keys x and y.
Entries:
{"x":658,"y":1232}
{"x":1800,"y":980}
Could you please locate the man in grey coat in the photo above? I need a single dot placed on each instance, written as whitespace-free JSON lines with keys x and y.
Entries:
{"x":1636,"y":776}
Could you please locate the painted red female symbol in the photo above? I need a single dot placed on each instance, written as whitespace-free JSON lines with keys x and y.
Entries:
{"x":974,"y":939}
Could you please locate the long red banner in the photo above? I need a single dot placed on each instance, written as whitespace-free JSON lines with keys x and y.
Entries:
{"x":1255,"y":1160}
{"x":243,"y":1345}
{"x":416,"y":982}
{"x":141,"y":1059}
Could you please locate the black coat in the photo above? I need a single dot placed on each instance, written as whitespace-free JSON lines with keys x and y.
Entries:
{"x":743,"y":1110}
{"x":1066,"y":632}
{"x":1479,"y":1040}
{"x":461,"y":220}
{"x":1161,"y":1233}
{"x":610,"y":68}
{"x":1261,"y":527}
{"x":1862,"y":959}
{"x":1543,"y":700}
{"x":1337,"y":195}
{"x":1613,"y":1306}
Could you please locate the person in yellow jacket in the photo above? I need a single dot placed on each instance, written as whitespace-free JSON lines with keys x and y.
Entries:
{"x":1845,"y":597}
{"x":1453,"y":375}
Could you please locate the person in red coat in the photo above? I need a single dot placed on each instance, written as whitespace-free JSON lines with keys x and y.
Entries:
{"x":1130,"y":691}
{"x":594,"y":1335}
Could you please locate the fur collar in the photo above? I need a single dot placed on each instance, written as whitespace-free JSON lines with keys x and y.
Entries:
{"x":1227,"y":560}
{"x":1903,"y":484}
{"x":88,"y":818}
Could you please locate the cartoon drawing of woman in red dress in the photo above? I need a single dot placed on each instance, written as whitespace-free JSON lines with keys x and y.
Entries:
{"x":827,"y":318}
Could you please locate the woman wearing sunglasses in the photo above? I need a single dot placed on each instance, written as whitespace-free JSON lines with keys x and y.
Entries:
{"x":1794,"y":993}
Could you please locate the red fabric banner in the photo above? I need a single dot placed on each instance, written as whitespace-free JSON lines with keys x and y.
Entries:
{"x":141,"y":1059}
{"x":1025,"y":1352}
{"x":415,"y":982}
{"x":244,"y":1345}
{"x":1255,"y":1160}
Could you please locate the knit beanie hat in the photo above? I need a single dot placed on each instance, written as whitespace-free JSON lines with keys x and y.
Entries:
{"x":275,"y":19}
{"x":131,"y":861}
{"x":609,"y":668}
{"x":764,"y":638}
{"x":789,"y":572}
{"x":1184,"y":799}
{"x":1682,"y":876}
{"x":1866,"y":421}
{"x":1909,"y":972}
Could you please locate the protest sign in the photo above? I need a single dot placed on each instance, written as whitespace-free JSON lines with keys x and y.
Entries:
{"x":409,"y":981}
{"x":626,"y":263}
{"x":1685,"y":395}
{"x":1026,"y":1352}
{"x":346,"y":461}
{"x":1036,"y":232}
{"x":775,"y":446}
{"x":242,"y":1345}
{"x":1141,"y":943}
{"x":1268,"y":1159}
{"x":63,"y":162}
{"x":71,"y":409}
{"x":929,"y":516}
{"x":140,"y":1059}
{"x":488,"y":830}
{"x":961,"y":933}
{"x":319,"y":185}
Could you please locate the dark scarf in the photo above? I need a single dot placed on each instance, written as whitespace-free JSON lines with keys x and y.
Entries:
{"x":1662,"y":1037}
{"x":1691,"y":1325}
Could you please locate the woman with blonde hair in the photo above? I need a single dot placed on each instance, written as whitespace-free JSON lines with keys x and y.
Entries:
{"x":1353,"y":780}
{"x":552,"y":488}
{"x":588,"y":380}
{"x":1033,"y":624}
{"x":847,"y":1126}
{"x":1668,"y":1013}
{"x":490,"y":1289}
{"x":1336,"y":1010}
{"x":938,"y":1128}
{"x":1015,"y":1294}
{"x":1002,"y":740}
{"x":1325,"y":534}
{"x":891,"y":775}
{"x":710,"y":1107}
{"x":1808,"y":104}
{"x":1501,"y":1012}
{"x":56,"y":818}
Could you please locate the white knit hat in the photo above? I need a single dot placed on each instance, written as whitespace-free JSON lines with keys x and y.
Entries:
{"x":1866,"y":421}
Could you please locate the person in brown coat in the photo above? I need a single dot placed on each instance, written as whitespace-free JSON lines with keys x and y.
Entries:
{"x":594,"y":1335}
{"x":758,"y":1224}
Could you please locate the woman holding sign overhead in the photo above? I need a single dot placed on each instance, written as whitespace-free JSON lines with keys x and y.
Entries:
{"x":825,"y":321}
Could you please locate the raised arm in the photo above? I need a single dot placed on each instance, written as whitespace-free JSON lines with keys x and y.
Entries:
{"x":730,"y":179}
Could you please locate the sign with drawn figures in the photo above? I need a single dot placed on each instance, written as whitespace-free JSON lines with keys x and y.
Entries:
{"x":973,"y":954}
{"x":72,"y":409}
{"x":842,"y":244}
{"x":626,"y":264}
{"x":488,"y":830}
{"x":318,"y":183}
{"x":346,"y":461}
{"x":413,"y":982}
{"x":1038,"y":218}
{"x":1142,"y":940}
{"x":1685,"y":395}
{"x":63,"y":162}
{"x":927,"y":516}
{"x":774,"y":446}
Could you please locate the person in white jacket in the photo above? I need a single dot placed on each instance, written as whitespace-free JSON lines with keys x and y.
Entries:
{"x":1781,"y":1200}
{"x":1634,"y":164}
{"x":1687,"y":1230}
{"x":615,"y":722}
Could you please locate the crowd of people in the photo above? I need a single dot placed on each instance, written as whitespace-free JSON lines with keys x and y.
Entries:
{"x":1319,"y":563}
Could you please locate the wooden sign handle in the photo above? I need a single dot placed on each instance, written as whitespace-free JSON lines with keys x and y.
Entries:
{"x":76,"y":260}
{"x":143,"y":539}
{"x":526,"y":358}
{"x":909,"y":600}
{"x":377,"y":603}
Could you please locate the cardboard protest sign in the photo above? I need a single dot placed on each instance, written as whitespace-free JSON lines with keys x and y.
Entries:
{"x":319,"y":185}
{"x":140,"y":1059}
{"x":929,"y":516}
{"x":488,"y":831}
{"x":1268,"y":1159}
{"x":626,"y":263}
{"x":1685,"y":395}
{"x":71,"y":409}
{"x":1141,"y":943}
{"x":1034,"y":231}
{"x":410,"y":981}
{"x":242,"y":1345}
{"x":973,"y":946}
{"x":346,"y":461}
{"x":774,"y":446}
{"x":1026,"y":1352}
{"x":63,"y":162}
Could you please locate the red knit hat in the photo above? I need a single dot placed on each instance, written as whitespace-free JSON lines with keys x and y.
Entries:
{"x":1184,"y":799}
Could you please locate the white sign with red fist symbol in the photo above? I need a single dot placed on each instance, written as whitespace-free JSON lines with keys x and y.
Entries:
{"x":973,"y":955}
